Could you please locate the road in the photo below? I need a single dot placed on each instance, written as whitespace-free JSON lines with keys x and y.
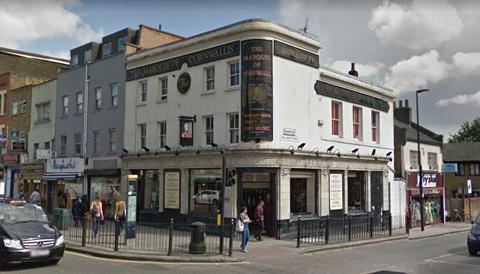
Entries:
{"x":446,"y":254}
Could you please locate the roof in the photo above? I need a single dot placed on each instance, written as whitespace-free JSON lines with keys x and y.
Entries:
{"x":34,"y":56}
{"x":461,"y":152}
{"x":411,"y":133}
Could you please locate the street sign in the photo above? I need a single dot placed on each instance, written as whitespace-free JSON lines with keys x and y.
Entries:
{"x":469,"y":187}
{"x":449,"y":168}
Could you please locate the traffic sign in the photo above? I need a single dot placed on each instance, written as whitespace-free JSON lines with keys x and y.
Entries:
{"x":469,"y":186}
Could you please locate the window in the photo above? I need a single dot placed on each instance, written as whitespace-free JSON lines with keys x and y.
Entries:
{"x":43,"y":112}
{"x":107,"y":49}
{"x":121,"y":43}
{"x":375,"y":126}
{"x":234,"y":74}
{"x":98,"y":98}
{"x":460,"y":169}
{"x":65,"y":105}
{"x":79,"y":108}
{"x":14,"y":108}
{"x":150,"y":199}
{"x":210,"y":78}
{"x":74,"y":60}
{"x":88,"y":55}
{"x":475,"y":169}
{"x":112,"y":140}
{"x":298,"y":195}
{"x":356,"y":191}
{"x":63,"y":145}
{"x":163,"y":83}
{"x":205,"y":190}
{"x":413,"y":159}
{"x":142,"y":130}
{"x":23,"y":106}
{"x":96,"y":141}
{"x":208,"y":129}
{"x":143,"y":91}
{"x":35,"y":148}
{"x":233,"y":126}
{"x":46,"y":145}
{"x":78,"y":143}
{"x":432,"y":161}
{"x":357,"y":123}
{"x":336,"y":119}
{"x":114,"y":94}
{"x":162,"y":128}
{"x":2,"y":103}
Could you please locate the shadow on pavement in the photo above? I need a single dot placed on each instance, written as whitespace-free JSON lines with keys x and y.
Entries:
{"x":26,"y":266}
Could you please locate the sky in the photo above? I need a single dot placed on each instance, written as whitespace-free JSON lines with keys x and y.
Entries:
{"x":402,"y":45}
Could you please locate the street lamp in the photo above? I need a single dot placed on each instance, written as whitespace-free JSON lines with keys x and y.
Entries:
{"x":420,"y":173}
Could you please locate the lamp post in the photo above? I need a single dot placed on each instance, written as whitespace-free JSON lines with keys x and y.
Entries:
{"x":85,"y":123}
{"x":420,"y":172}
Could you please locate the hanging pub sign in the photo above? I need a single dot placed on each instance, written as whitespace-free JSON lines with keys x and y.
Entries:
{"x":186,"y":132}
{"x":257,"y":90}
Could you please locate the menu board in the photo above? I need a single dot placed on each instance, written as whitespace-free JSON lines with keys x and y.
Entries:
{"x":172,"y":190}
{"x":336,"y":191}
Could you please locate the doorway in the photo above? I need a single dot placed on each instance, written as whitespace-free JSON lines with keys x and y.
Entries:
{"x":376,"y":192}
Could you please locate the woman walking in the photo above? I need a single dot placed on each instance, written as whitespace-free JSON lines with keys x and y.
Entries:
{"x":245,"y":220}
{"x":97,"y":215}
{"x":120,"y":213}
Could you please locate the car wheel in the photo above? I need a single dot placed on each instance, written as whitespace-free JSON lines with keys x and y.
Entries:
{"x":472,"y":252}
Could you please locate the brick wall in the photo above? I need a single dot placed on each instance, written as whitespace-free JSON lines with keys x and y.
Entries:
{"x":150,"y":37}
{"x":20,"y":121}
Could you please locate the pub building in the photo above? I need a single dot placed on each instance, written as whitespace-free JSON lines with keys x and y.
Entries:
{"x":245,"y":113}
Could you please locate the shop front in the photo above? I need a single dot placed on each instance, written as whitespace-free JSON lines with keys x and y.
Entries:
{"x":64,"y":182}
{"x":31,"y":175}
{"x":433,"y":198}
{"x":13,"y":184}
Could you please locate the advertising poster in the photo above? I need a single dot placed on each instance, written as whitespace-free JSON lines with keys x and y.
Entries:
{"x":336,"y":191}
{"x":257,"y":90}
{"x":172,"y":190}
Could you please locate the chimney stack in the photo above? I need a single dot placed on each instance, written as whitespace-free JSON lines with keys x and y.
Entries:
{"x":352,"y":71}
{"x":159,"y":26}
{"x":403,"y":113}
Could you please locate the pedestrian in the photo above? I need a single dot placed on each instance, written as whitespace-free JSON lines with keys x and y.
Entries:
{"x":84,"y":209}
{"x":259,"y":220}
{"x":77,"y":212}
{"x":243,"y":221}
{"x":35,"y":197}
{"x":97,"y":215}
{"x":120,"y":213}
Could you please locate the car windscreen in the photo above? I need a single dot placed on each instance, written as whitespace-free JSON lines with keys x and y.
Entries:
{"x":13,"y":214}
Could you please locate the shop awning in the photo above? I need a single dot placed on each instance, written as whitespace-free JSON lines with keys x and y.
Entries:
{"x":59,"y":177}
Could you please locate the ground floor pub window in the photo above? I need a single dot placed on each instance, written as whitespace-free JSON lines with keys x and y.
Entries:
{"x":431,"y":206}
{"x":108,"y":189}
{"x":356,"y":191}
{"x":206,"y":190}
{"x":148,"y":189}
{"x":298,"y":195}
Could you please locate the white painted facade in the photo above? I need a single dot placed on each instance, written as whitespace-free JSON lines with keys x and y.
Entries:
{"x":425,"y":149}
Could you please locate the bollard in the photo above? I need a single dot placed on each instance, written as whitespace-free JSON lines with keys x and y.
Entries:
{"x":349,"y":218}
{"x":371,"y":226}
{"x":298,"y":231}
{"x":327,"y":228}
{"x":197,"y":239}
{"x":117,"y":233}
{"x":232,"y":231}
{"x":170,"y":238}
{"x":389,"y":216}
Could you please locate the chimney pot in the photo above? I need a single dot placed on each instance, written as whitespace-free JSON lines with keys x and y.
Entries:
{"x":159,"y":26}
{"x":353,"y":72}
{"x":406,"y":103}
{"x":400,"y":104}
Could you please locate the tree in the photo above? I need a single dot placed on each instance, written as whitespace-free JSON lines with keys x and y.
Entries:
{"x":469,"y":132}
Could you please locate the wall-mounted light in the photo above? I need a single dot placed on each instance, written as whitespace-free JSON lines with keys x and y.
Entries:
{"x":125,"y":151}
{"x":198,"y":150}
{"x":177,"y":152}
{"x":146,"y":149}
{"x":389,"y":153}
{"x":330,"y":148}
{"x":355,"y":151}
{"x":291,"y":149}
{"x":167,"y":148}
{"x":301,"y":146}
{"x":374,"y":151}
{"x":338,"y":153}
{"x":316,"y":151}
{"x":213,"y":145}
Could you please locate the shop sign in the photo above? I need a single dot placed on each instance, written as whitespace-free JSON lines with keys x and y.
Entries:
{"x":297,"y":55}
{"x":186,"y":132}
{"x":18,"y":146}
{"x":449,"y":168}
{"x":11,"y":158}
{"x":44,"y":154}
{"x":336,"y":191}
{"x":257,"y":90}
{"x":32,"y":168}
{"x":469,"y":186}
{"x":65,"y":165}
{"x":172,"y":190}
{"x":289,"y":134}
{"x":429,"y":180}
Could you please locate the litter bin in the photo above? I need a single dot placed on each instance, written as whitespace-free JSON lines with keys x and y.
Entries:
{"x":130,"y":231}
{"x":61,"y":218}
{"x":197,"y":239}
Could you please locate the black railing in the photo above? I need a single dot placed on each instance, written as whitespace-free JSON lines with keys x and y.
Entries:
{"x":328,"y":229}
{"x":160,"y":238}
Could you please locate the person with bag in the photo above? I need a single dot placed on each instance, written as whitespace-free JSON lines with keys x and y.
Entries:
{"x":97,"y":215}
{"x":242,"y":226}
{"x":120,"y":214}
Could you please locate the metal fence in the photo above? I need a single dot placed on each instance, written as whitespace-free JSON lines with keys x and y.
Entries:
{"x":160,"y":238}
{"x":328,"y":229}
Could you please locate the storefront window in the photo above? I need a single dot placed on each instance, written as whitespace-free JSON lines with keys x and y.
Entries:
{"x":206,"y":189}
{"x":356,"y":191}
{"x":107,"y":188}
{"x":431,"y":206}
{"x":298,"y":195}
{"x":151,"y":190}
{"x":66,"y":192}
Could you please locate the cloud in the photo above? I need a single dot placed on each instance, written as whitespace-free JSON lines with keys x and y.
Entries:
{"x":364,"y":70}
{"x":461,"y":99}
{"x":59,"y":54}
{"x":466,"y":63}
{"x":416,"y":72}
{"x":24,"y":21}
{"x":422,"y":24}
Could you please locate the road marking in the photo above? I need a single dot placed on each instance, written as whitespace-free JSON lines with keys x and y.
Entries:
{"x":440,"y":257}
{"x":150,"y":262}
{"x":447,"y":262}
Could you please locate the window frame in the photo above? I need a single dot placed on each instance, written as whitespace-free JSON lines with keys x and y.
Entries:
{"x":416,"y":159}
{"x":209,"y":126}
{"x":112,"y":140}
{"x":162,"y":133}
{"x":77,"y":143}
{"x":142,"y":134}
{"x":43,"y":111}
{"x":143,"y":93}
{"x":233,"y":131}
{"x":337,"y":120}
{"x":65,"y":105}
{"x":209,"y":81}
{"x":476,"y":168}
{"x":85,"y":59}
{"x":375,"y":126}
{"x":96,"y":141}
{"x":63,"y":145}
{"x":357,"y":125}
{"x":114,"y":98}
{"x":74,"y":60}
{"x":435,"y":165}
{"x":460,"y":169}
{"x":162,"y":89}
{"x":79,"y":105}
{"x":121,"y":46}
{"x":235,"y":77}
{"x":104,"y":47}
{"x":98,"y":99}
{"x":36,"y":146}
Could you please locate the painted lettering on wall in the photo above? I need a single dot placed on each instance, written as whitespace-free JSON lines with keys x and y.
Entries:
{"x":297,"y":55}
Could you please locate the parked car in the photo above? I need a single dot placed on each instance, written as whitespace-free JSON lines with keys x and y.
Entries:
{"x":207,"y":197}
{"x":27,"y":236}
{"x":473,"y":240}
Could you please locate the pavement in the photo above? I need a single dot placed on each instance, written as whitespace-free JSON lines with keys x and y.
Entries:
{"x":267,"y":249}
{"x":442,"y":254}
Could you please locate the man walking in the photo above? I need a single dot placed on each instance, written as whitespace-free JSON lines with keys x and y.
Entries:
{"x":259,"y":220}
{"x":35,"y":197}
